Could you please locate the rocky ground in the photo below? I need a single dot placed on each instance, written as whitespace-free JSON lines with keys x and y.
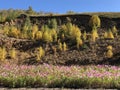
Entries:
{"x":89,"y":53}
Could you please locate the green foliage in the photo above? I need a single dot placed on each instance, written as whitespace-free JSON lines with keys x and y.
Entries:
{"x":26,"y":31}
{"x":53,"y":24}
{"x":2,"y":17}
{"x":30,"y":11}
{"x":95,"y":21}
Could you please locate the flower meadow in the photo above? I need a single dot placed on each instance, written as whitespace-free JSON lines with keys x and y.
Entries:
{"x":51,"y":76}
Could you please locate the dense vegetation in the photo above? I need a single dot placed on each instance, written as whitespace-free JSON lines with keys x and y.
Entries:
{"x":50,"y":76}
{"x":65,"y":44}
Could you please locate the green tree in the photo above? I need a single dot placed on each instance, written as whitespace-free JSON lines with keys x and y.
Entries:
{"x":30,"y":11}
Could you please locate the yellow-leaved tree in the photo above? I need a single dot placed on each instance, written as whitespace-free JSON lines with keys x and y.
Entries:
{"x":94,"y":21}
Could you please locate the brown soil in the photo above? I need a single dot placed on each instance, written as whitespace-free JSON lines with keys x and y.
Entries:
{"x":89,"y":53}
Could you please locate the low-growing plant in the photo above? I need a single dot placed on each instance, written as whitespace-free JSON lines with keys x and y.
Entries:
{"x":14,"y":32}
{"x":109,"y":34}
{"x":64,"y":46}
{"x":114,"y":30}
{"x":109,"y":54}
{"x":40,"y":53}
{"x":3,"y":53}
{"x":60,"y":46}
{"x":94,"y":34}
{"x":12,"y":53}
{"x":38,"y":35}
{"x":79,"y":42}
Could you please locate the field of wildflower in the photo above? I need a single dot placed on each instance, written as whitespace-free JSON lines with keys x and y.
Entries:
{"x":51,"y":76}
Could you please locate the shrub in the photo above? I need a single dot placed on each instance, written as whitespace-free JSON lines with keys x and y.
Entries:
{"x":33,"y":31}
{"x":110,"y":34}
{"x":60,"y":46}
{"x":95,"y":21}
{"x":12,"y":53}
{"x":64,"y":46}
{"x":109,"y":54}
{"x":14,"y":32}
{"x":114,"y":30}
{"x":40,"y":53}
{"x":53,"y":34}
{"x":3,"y":53}
{"x":70,"y":31}
{"x":94,"y":34}
{"x":109,"y":47}
{"x":38,"y":35}
{"x":53,"y":24}
{"x":79,"y":42}
{"x":47,"y":37}
{"x":6,"y":29}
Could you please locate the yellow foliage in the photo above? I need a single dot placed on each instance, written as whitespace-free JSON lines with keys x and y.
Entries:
{"x":70,"y":31}
{"x":6,"y":30}
{"x":12,"y":53}
{"x":14,"y":32}
{"x":84,"y":36}
{"x":109,"y":47}
{"x":47,"y":37}
{"x":94,"y":21}
{"x":53,"y":34}
{"x":35,"y":28}
{"x":64,"y":46}
{"x":109,"y":54}
{"x":40,"y":53}
{"x":110,"y":35}
{"x":38,"y":35}
{"x":105,"y":35}
{"x":94,"y":34}
{"x":79,"y":42}
{"x":2,"y":53}
{"x":114,"y":30}
{"x":60,"y":46}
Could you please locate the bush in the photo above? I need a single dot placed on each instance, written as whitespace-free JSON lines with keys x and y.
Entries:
{"x":95,"y":21}
{"x":40,"y":53}
{"x":3,"y":53}
{"x":12,"y":53}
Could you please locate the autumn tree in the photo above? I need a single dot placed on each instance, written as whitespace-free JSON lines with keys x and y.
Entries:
{"x":94,"y":21}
